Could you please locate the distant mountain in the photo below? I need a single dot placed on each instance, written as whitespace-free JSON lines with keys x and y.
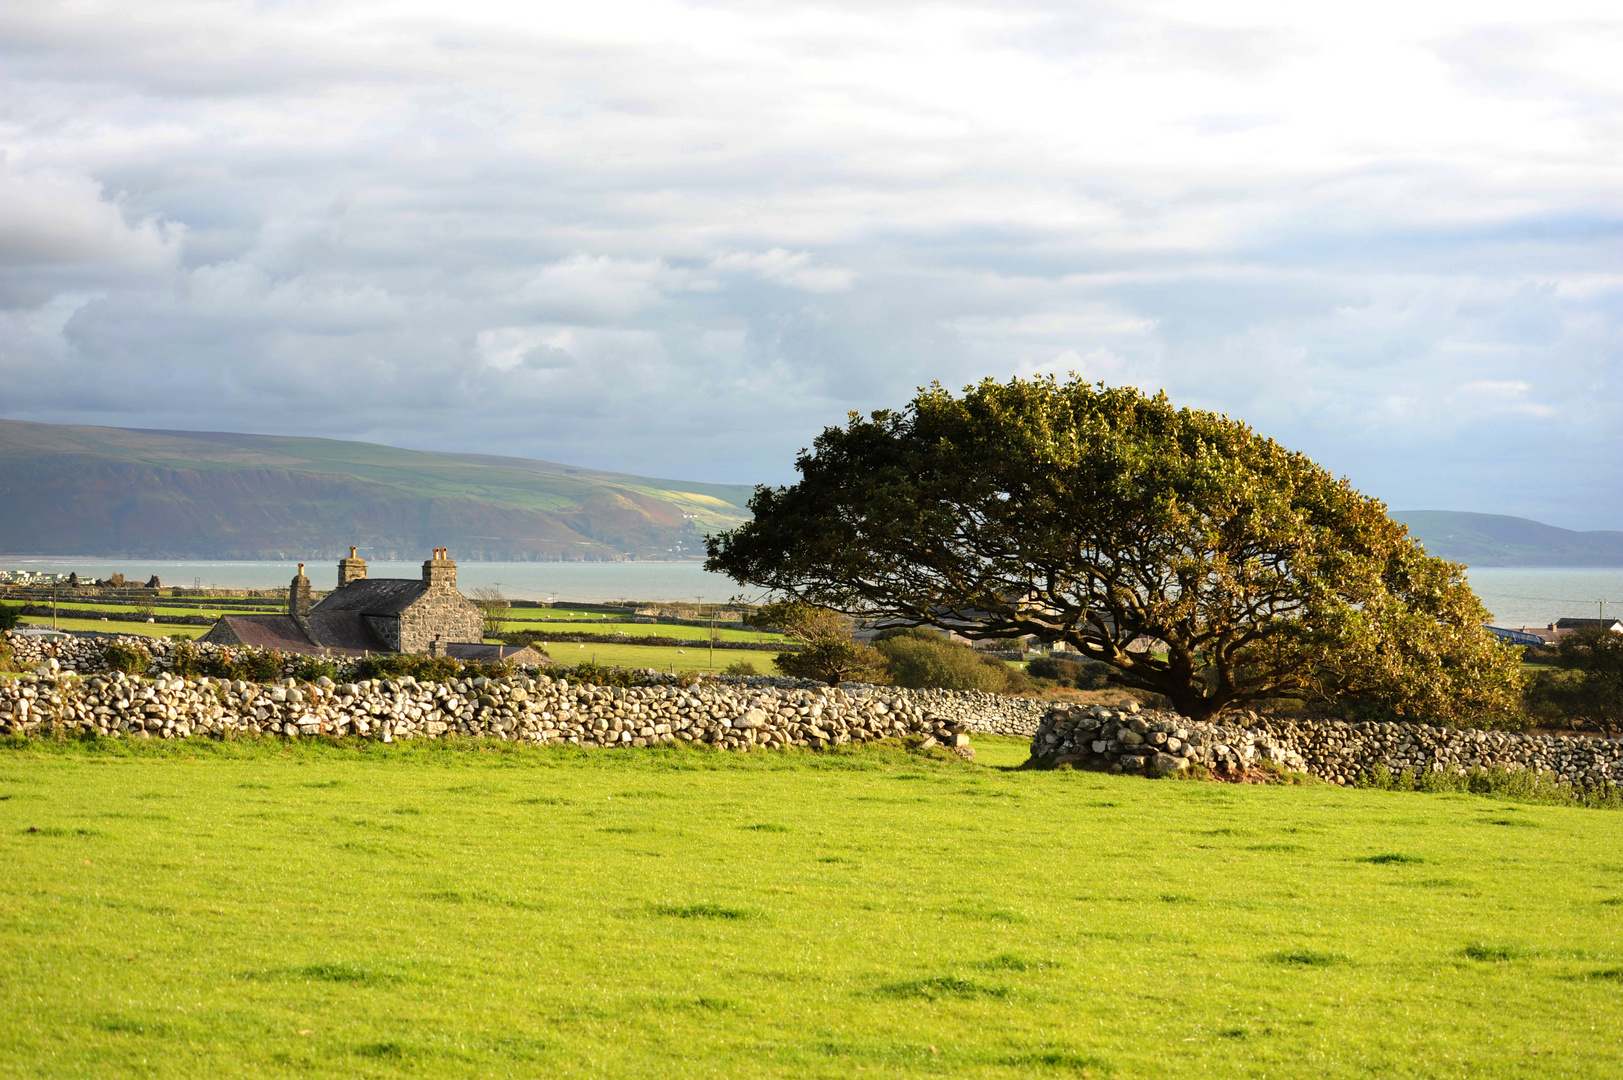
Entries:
{"x":1494,"y":540}
{"x":69,"y":490}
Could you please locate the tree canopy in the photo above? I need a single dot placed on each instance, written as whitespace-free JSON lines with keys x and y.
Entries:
{"x":1196,"y":557}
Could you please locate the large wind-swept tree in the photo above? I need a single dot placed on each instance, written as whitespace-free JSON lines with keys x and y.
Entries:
{"x":1198,"y":558}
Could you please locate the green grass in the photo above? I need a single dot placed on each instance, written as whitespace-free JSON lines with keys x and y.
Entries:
{"x":658,"y":656}
{"x":631,"y":629}
{"x":211,"y":607}
{"x":253,"y":910}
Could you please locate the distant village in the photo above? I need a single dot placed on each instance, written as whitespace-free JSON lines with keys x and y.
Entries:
{"x":30,"y":577}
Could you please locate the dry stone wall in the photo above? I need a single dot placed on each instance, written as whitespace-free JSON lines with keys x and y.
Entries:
{"x":975,"y":710}
{"x":748,"y":712}
{"x":1129,"y":740}
{"x":520,"y":707}
{"x":86,"y":651}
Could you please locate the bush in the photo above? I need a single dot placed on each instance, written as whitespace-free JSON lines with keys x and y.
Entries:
{"x":188,"y":661}
{"x":1081,"y":674}
{"x":740,"y":667}
{"x":597,"y":675}
{"x":9,"y":617}
{"x":922,"y":659}
{"x":250,"y":665}
{"x":126,"y":658}
{"x":310,"y":669}
{"x":426,"y":668}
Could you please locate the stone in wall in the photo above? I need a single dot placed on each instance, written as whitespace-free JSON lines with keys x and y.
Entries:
{"x":1129,"y":740}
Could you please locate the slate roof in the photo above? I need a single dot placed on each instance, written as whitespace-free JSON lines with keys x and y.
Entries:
{"x":344,"y":631}
{"x":269,"y":632}
{"x":373,"y":596}
{"x":487,"y":654}
{"x":343,"y":634}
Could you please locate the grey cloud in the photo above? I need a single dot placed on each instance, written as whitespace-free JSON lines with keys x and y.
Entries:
{"x":640,"y":250}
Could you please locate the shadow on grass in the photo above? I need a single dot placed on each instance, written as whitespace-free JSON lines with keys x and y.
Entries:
{"x":1013,"y":962}
{"x":1307,"y":958}
{"x":331,"y":971}
{"x":942,"y":987}
{"x":1497,"y":953}
{"x":702,"y":911}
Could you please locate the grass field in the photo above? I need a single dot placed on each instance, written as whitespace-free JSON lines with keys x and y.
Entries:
{"x":212,"y":607}
{"x":657,"y":656}
{"x":140,"y":629}
{"x":607,"y":626}
{"x":217,"y":909}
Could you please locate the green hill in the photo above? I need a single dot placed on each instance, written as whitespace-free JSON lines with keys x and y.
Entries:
{"x":70,"y":490}
{"x":1495,"y":540}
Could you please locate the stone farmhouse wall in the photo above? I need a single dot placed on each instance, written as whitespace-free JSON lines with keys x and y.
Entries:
{"x":1128,"y":740}
{"x":440,"y":610}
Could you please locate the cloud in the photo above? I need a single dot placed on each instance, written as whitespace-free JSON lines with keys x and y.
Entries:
{"x":52,"y":218}
{"x":679,"y":238}
{"x":791,"y":268}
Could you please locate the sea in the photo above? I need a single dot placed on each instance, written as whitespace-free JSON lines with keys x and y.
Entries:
{"x":1516,"y":596}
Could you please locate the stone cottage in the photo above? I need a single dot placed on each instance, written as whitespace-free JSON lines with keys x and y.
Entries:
{"x":374,"y":615}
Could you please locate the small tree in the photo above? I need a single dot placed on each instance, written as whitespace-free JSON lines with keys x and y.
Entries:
{"x":828,"y":651}
{"x":1590,"y":688}
{"x":492,"y":607}
{"x":9,"y":617}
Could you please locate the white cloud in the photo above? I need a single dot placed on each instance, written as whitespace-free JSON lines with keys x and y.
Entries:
{"x":1387,"y":235}
{"x":55,"y":218}
{"x":791,"y":268}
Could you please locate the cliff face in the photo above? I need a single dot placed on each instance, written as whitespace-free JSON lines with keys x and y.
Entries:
{"x":115,"y":492}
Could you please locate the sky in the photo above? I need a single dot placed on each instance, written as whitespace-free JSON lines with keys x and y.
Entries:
{"x":679,"y":239}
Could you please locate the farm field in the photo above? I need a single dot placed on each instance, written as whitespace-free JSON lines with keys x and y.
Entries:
{"x":656,"y":656}
{"x":223,"y":909}
{"x":630,"y":629}
{"x":138,"y":629}
{"x":213,"y":606}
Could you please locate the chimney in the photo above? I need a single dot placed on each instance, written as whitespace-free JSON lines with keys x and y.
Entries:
{"x":440,"y":570}
{"x":351,"y":569}
{"x":298,"y":595}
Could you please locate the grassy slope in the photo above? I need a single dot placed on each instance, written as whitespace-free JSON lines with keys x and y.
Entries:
{"x":207,"y":910}
{"x":222,"y":491}
{"x":1497,"y":540}
{"x":519,"y":482}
